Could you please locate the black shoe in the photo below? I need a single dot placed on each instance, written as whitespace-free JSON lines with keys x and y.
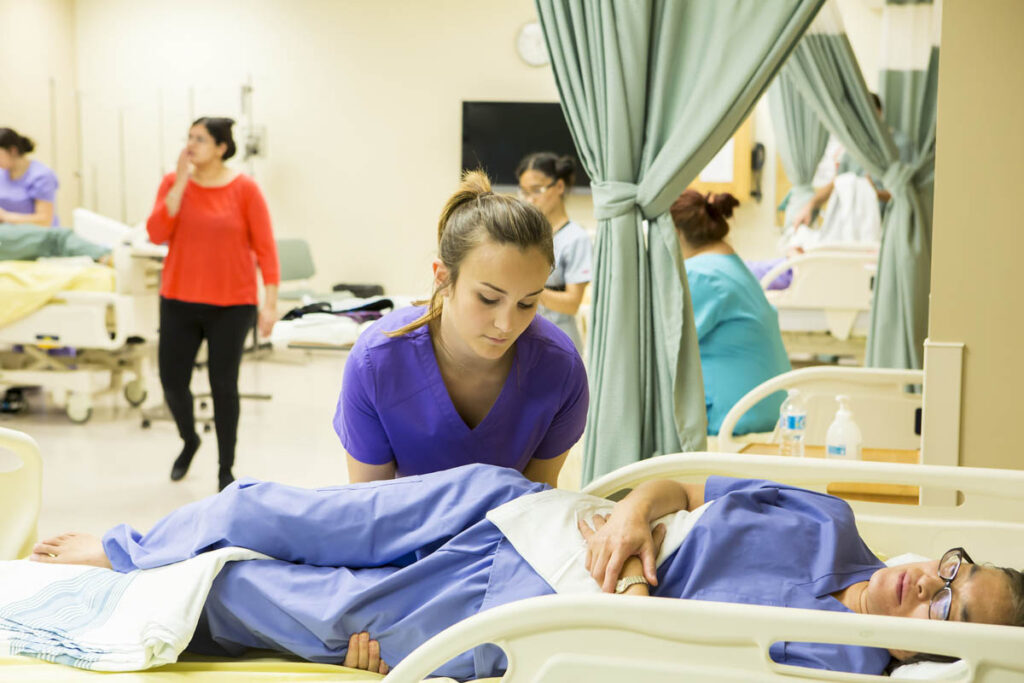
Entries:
{"x":224,"y":480}
{"x":182,"y":462}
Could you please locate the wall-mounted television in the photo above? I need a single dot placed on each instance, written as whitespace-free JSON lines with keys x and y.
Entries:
{"x":496,"y":135}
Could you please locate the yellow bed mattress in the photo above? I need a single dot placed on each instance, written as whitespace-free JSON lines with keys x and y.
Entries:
{"x":26,"y":286}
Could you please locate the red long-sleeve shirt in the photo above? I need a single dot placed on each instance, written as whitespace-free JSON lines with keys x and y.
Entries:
{"x":212,"y":240}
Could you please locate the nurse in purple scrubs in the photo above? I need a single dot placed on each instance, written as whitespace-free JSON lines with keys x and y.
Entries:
{"x":28,"y":188}
{"x":473,"y":376}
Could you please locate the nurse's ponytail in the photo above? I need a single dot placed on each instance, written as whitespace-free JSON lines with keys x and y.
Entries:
{"x":472,"y":216}
{"x":10,"y":139}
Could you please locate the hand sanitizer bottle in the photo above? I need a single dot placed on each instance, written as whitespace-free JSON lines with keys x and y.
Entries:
{"x":843,"y":437}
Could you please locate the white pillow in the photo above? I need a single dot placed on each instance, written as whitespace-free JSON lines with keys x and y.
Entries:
{"x":99,"y":229}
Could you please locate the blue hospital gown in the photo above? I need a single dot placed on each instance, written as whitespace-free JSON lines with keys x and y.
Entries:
{"x":404,"y":559}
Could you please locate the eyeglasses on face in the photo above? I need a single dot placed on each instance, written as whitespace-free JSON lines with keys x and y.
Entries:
{"x":537,"y":191}
{"x":949,"y":565}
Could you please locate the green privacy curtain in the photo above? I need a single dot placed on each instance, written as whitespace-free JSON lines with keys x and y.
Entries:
{"x":908,"y":86}
{"x":651,"y":90}
{"x":801,"y":139}
{"x":827,"y":75}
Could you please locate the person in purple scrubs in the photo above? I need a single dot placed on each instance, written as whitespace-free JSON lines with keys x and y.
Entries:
{"x":28,"y":188}
{"x":474,"y":376}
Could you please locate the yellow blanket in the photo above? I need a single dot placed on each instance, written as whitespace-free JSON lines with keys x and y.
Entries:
{"x":26,"y":286}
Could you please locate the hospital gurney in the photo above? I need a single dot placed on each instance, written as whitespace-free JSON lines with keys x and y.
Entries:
{"x":615,"y":638}
{"x":105,"y":331}
{"x":607,"y":638}
{"x":827,"y":307}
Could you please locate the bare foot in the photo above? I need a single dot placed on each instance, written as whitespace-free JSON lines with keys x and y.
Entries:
{"x":71,"y":548}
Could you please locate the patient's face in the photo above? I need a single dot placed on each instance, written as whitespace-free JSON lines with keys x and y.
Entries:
{"x":980,"y":594}
{"x":494,"y":299}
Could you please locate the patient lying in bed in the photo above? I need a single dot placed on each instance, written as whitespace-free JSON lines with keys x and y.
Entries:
{"x":405,"y":559}
{"x":26,"y":242}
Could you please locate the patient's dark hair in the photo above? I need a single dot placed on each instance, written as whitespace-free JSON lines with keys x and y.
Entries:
{"x":220,"y":131}
{"x":472,"y":216}
{"x":550,"y":164}
{"x":1016,"y":580}
{"x":702,"y":218}
{"x":10,"y":139}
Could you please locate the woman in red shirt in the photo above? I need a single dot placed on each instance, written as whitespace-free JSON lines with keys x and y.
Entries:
{"x":214,"y":220}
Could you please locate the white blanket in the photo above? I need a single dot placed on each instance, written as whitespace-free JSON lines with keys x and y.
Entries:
{"x":98,"y":619}
{"x":559,"y":554}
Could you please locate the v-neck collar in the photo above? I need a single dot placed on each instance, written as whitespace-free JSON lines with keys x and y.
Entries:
{"x":440,"y":389}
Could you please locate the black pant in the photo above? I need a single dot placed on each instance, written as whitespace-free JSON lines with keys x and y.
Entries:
{"x":183,"y":326}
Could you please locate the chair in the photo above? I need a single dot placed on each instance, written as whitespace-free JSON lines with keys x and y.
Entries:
{"x":296,"y":264}
{"x":21,"y":493}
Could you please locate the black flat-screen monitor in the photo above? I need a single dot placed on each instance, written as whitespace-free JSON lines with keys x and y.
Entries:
{"x":496,"y":135}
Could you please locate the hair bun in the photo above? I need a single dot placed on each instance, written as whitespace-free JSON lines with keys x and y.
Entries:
{"x":475,"y":183}
{"x":723,"y":203}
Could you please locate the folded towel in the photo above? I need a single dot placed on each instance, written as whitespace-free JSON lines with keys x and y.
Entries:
{"x":98,"y":619}
{"x":559,"y":554}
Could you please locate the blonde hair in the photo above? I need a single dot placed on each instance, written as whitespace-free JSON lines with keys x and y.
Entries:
{"x":471,"y":216}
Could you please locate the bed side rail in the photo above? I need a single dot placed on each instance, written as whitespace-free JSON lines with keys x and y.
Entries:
{"x":882,"y":407}
{"x":987,"y":517}
{"x":608,"y":638}
{"x":20,"y":494}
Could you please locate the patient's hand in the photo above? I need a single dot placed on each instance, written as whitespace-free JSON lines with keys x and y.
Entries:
{"x":616,"y":538}
{"x":803,"y":216}
{"x":364,"y":653}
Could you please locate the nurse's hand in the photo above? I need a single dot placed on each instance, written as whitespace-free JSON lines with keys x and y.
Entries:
{"x":266,"y":320}
{"x":183,"y":169}
{"x":364,"y":653}
{"x":4,"y":216}
{"x":616,"y":538}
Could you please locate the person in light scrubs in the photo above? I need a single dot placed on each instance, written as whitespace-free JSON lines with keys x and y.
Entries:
{"x":544,"y":179}
{"x":403,"y":560}
{"x":738,"y":330}
{"x":28,"y":188}
{"x":473,"y":376}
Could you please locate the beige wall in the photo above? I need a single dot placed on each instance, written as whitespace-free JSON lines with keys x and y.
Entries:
{"x":37,"y":46}
{"x":361,"y":102}
{"x":977,"y":278}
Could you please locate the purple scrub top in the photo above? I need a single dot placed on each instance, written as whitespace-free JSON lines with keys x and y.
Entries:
{"x":19,"y":196}
{"x":394,"y":405}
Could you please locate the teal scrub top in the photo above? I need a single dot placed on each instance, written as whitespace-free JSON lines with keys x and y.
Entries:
{"x":740,"y":342}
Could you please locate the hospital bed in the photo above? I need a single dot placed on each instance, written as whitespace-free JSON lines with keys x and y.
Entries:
{"x":100,"y":336}
{"x":826,"y":310}
{"x":607,"y":638}
{"x":614,"y":638}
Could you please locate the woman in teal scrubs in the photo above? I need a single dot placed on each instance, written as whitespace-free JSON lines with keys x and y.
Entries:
{"x":740,"y":342}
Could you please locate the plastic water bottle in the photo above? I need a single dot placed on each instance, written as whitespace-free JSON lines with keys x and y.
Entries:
{"x":843,"y":439}
{"x":793,"y":424}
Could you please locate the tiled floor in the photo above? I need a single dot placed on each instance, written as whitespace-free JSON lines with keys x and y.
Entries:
{"x":111,"y":470}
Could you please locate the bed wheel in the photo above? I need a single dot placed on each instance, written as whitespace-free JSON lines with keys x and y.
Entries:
{"x":79,"y":408}
{"x":135,"y":392}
